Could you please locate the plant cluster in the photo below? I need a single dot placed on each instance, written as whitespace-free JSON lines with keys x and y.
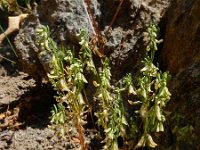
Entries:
{"x":152,"y":93}
{"x":68,"y":80}
{"x":68,"y":77}
{"x":183,"y":131}
{"x":111,"y":113}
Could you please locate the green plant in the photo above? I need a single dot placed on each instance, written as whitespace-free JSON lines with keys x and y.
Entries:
{"x":68,"y":78}
{"x":152,"y":93}
{"x":183,"y":131}
{"x":111,"y":113}
{"x":117,"y":124}
{"x":68,"y":81}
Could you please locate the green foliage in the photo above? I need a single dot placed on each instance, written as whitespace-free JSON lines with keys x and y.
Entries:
{"x":117,"y":124}
{"x":183,"y":131}
{"x":104,"y":95}
{"x":68,"y":78}
{"x":152,"y":93}
{"x":111,"y":113}
{"x":68,"y":81}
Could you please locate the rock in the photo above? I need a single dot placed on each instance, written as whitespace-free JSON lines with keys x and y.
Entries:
{"x":27,"y":49}
{"x":65,"y":18}
{"x":181,"y":56}
{"x":124,"y":46}
{"x":181,"y":48}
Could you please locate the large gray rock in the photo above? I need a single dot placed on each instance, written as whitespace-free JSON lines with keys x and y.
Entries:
{"x":181,"y":56}
{"x":27,"y":49}
{"x":65,"y":19}
{"x":124,"y":46}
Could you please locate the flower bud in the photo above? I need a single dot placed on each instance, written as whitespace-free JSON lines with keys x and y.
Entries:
{"x":150,"y":141}
{"x":141,"y":142}
{"x":80,"y":98}
{"x":131,"y":90}
{"x":158,"y":113}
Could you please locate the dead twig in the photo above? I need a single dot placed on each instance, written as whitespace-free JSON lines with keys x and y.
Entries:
{"x":115,"y":16}
{"x":97,"y":35}
{"x":9,"y":119}
{"x":98,"y":42}
{"x":13,"y":25}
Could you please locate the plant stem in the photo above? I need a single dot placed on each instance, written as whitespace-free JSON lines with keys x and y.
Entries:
{"x":81,"y":138}
{"x":115,"y":16}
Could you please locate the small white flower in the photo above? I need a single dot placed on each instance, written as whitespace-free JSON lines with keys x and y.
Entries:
{"x":150,"y":141}
{"x":158,"y":112}
{"x":80,"y":98}
{"x":131,"y":90}
{"x":63,"y":85}
{"x":142,"y":142}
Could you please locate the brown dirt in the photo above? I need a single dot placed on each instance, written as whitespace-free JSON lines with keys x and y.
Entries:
{"x":13,"y":87}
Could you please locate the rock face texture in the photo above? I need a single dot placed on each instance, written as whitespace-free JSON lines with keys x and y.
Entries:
{"x":66,"y":18}
{"x":124,"y":46}
{"x":181,"y":48}
{"x":181,"y":56}
{"x":27,"y":50}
